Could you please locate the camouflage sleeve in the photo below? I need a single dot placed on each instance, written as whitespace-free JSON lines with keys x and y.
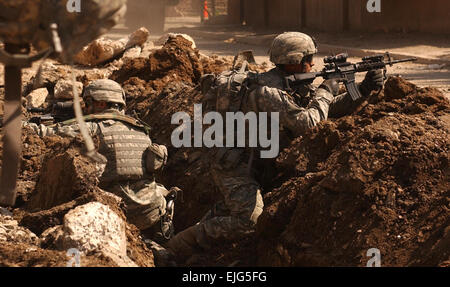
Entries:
{"x":62,"y":130}
{"x":156,"y":157}
{"x":343,"y":105}
{"x":297,"y":119}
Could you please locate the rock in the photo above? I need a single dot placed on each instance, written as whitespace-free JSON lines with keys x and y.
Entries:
{"x":138,"y":37}
{"x":5,"y":212}
{"x":163,"y":39}
{"x":10,"y":231}
{"x":147,"y":49}
{"x":64,"y":89}
{"x":103,"y":50}
{"x":64,"y":177}
{"x":94,"y":227}
{"x":52,"y":237}
{"x":48,"y":75}
{"x":37,"y":98}
{"x":133,"y":52}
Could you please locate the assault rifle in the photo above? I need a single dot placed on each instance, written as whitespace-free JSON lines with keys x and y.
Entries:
{"x":61,"y":111}
{"x":337,"y":67}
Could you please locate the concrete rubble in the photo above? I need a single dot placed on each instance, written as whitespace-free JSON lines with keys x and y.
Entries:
{"x":10,"y":231}
{"x":103,"y":50}
{"x":92,"y":228}
{"x":64,"y":89}
{"x":37,"y":98}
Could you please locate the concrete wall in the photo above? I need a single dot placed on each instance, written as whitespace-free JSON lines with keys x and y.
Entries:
{"x":234,"y":12}
{"x":291,"y":11}
{"x":338,"y":15}
{"x":324,"y":14}
{"x":402,"y":15}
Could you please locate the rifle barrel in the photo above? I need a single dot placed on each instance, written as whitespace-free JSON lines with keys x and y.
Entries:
{"x":402,"y":61}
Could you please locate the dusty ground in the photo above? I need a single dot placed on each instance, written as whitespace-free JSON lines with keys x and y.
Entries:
{"x":378,"y":178}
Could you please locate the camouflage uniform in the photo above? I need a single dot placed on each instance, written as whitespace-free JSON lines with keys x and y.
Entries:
{"x":131,"y":156}
{"x":231,"y":168}
{"x":231,"y":171}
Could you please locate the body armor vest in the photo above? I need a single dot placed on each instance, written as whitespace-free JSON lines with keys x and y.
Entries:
{"x":124,"y":147}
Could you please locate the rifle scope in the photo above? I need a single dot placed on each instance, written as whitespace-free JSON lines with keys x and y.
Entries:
{"x":338,"y":58}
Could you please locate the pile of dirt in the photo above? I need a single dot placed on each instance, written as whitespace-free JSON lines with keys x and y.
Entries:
{"x":377,"y":179}
{"x":175,"y":61}
{"x":34,"y":149}
{"x":25,"y":255}
{"x":55,"y":178}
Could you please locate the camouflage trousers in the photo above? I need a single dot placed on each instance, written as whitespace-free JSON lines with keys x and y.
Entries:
{"x":232,"y":218}
{"x":145,"y":201}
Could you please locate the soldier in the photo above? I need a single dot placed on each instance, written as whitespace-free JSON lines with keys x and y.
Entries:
{"x":132,"y":158}
{"x":231,"y":168}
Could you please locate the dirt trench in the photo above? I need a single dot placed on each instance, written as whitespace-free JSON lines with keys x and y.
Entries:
{"x":375,"y":179}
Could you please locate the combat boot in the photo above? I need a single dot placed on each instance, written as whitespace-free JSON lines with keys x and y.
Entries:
{"x":163,"y":256}
{"x":188,"y":242}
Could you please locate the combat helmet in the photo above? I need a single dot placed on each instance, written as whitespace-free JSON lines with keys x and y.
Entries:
{"x":105,"y":90}
{"x":291,"y":48}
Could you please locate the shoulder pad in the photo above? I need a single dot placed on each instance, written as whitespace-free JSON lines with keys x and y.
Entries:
{"x":109,"y":116}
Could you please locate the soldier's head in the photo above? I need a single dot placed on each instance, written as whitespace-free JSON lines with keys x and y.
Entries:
{"x":293,"y":52}
{"x":104,"y":94}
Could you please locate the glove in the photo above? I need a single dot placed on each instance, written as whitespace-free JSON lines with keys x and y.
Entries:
{"x":331,"y":85}
{"x":373,"y":81}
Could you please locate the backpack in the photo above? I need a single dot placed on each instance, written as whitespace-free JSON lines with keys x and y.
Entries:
{"x":224,"y":93}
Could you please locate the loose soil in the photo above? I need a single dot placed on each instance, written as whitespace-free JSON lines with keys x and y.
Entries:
{"x":378,"y":178}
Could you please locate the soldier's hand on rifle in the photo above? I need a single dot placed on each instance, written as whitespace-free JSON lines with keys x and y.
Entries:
{"x":374,"y":81}
{"x":331,"y":85}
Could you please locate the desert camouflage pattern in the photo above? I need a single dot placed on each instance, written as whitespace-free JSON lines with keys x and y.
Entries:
{"x":305,"y":99}
{"x":230,"y":219}
{"x":291,"y":47}
{"x":269,"y":95}
{"x":238,"y":213}
{"x":145,"y":201}
{"x":126,"y":146}
{"x":28,"y":21}
{"x":105,"y":90}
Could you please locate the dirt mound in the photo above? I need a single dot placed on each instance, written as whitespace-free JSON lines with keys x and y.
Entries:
{"x":64,"y":177}
{"x":374,"y":179}
{"x":175,"y":61}
{"x":25,"y":255}
{"x":34,"y":149}
{"x":55,"y":178}
{"x":377,"y":179}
